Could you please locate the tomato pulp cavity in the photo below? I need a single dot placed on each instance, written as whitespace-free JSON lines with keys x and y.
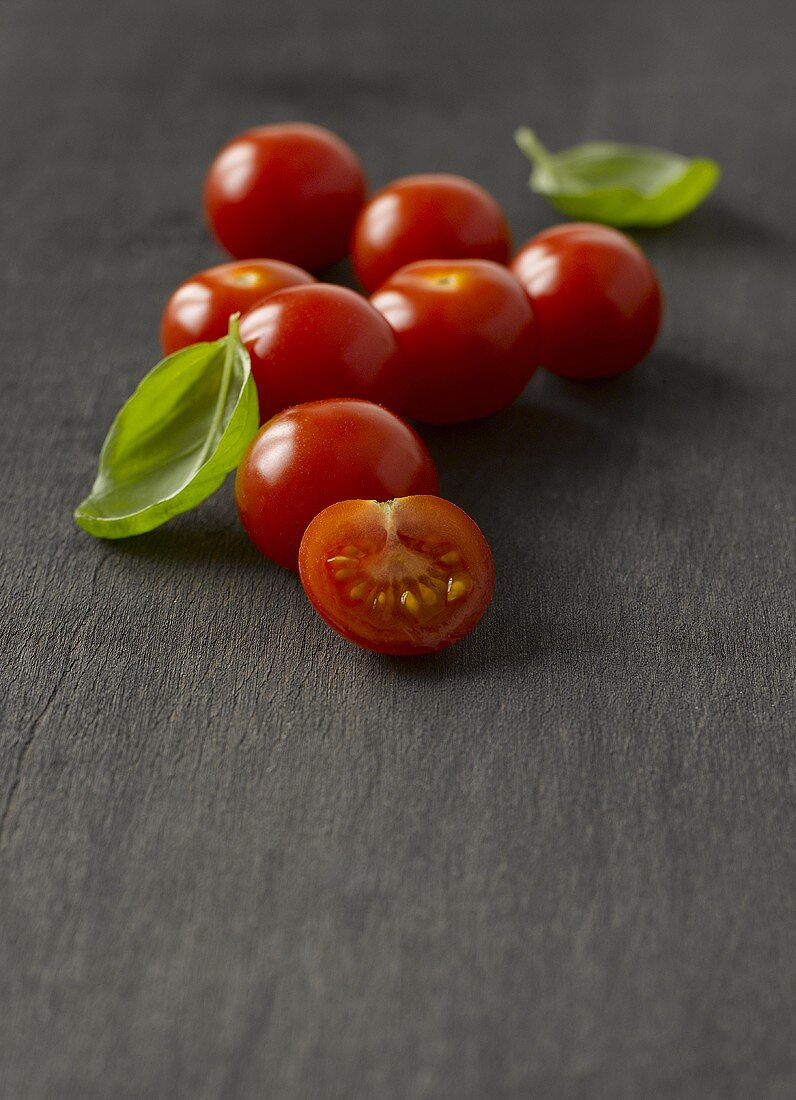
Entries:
{"x":405,"y":576}
{"x":596,"y":298}
{"x":427,"y":217}
{"x":466,"y":334}
{"x":313,"y":455}
{"x":291,"y":191}
{"x":199,"y":309}
{"x":318,"y":341}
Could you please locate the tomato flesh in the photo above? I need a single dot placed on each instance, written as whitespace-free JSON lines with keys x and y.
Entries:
{"x":467,"y":337}
{"x":290,"y":190}
{"x":199,"y":309}
{"x":312,"y":342}
{"x":313,"y":455}
{"x":595,"y":296}
{"x":427,"y":217}
{"x":406,"y":576}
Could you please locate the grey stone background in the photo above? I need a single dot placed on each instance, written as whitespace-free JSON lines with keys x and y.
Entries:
{"x":239,"y":858}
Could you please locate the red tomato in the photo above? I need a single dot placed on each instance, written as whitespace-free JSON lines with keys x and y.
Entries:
{"x":596,"y":298}
{"x":313,"y":455}
{"x":411,"y":575}
{"x":290,"y":191}
{"x":431,"y":217}
{"x":320,"y":341}
{"x":199,"y":308}
{"x":467,"y":337}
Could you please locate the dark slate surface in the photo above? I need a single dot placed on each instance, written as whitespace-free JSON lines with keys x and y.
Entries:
{"x":241,"y":859}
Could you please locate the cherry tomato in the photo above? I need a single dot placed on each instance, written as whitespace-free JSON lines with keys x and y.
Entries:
{"x":596,"y":298}
{"x":313,"y":455}
{"x":320,"y":341}
{"x":199,"y":308}
{"x":431,"y":217}
{"x":291,"y":191}
{"x":467,"y":337}
{"x":406,"y":576}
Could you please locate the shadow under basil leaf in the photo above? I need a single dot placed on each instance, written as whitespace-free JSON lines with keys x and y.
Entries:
{"x":190,"y":539}
{"x":716,"y":226}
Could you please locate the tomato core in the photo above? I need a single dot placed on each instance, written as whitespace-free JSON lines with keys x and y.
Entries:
{"x":411,"y":575}
{"x":400,"y":575}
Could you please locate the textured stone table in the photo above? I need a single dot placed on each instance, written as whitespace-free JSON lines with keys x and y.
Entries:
{"x":239,"y":858}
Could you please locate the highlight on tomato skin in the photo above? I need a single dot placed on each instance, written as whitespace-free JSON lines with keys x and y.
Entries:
{"x":312,"y":342}
{"x":433,"y":216}
{"x":291,"y":190}
{"x":200,"y":308}
{"x":467,"y":336}
{"x":596,"y":298}
{"x":318,"y":453}
{"x":402,"y":577}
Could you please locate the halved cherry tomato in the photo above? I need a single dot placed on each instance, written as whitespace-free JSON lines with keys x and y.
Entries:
{"x":291,"y":191}
{"x":427,"y":217}
{"x":311,"y":342}
{"x":313,"y":455}
{"x":406,"y":576}
{"x":199,"y":308}
{"x":596,"y":298}
{"x":467,"y":337}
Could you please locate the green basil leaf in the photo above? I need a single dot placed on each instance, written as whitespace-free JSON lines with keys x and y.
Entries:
{"x":175,"y":440}
{"x":619,"y":185}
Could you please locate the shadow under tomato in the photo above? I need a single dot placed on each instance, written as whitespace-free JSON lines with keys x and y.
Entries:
{"x":568,"y":450}
{"x":532,"y":469}
{"x":562,"y":435}
{"x":340,"y":273}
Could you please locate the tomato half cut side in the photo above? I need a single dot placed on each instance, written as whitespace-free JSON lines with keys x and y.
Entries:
{"x":407,"y":576}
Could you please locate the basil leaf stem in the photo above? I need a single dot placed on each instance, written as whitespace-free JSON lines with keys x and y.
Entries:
{"x":173,"y":442}
{"x":620,"y":185}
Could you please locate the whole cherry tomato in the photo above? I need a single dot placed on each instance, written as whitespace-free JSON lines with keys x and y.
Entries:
{"x":406,"y":576}
{"x":199,"y":308}
{"x":596,"y":298}
{"x":319,"y":341}
{"x":467,"y":337}
{"x":313,"y":455}
{"x":291,"y":191}
{"x":430,"y":217}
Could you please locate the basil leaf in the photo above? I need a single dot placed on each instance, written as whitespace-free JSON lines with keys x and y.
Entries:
{"x":175,"y":440}
{"x":619,"y":185}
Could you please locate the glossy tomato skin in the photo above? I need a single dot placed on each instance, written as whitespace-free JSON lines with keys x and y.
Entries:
{"x":427,"y":217}
{"x":596,"y":297}
{"x":408,"y":576}
{"x":199,"y":309}
{"x":311,"y":342}
{"x":290,"y":190}
{"x":466,"y":334}
{"x":313,"y":455}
